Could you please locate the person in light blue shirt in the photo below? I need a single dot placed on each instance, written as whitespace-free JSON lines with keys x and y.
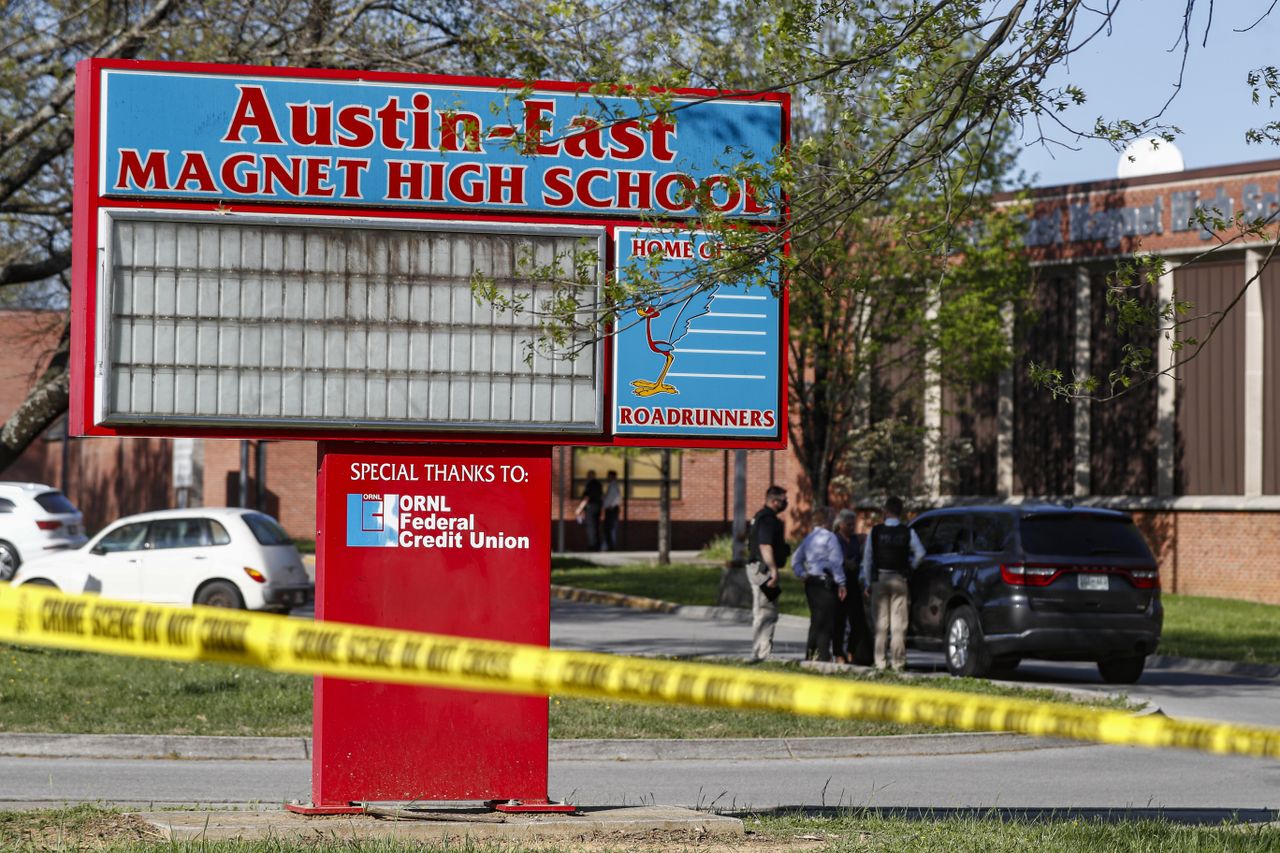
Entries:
{"x":819,"y":562}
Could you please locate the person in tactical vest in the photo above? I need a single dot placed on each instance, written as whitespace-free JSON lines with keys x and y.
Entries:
{"x":768,"y":552}
{"x":891,"y":552}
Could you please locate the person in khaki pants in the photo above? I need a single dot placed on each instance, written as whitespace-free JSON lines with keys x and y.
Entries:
{"x":891,"y":552}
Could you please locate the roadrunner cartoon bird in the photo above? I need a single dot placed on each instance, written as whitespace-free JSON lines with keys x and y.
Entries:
{"x":681,"y":314}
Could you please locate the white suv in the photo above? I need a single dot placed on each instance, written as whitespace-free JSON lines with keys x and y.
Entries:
{"x":218,"y":557}
{"x":34,"y":520}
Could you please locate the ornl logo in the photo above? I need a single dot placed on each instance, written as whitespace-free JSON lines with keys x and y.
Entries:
{"x":373,"y":521}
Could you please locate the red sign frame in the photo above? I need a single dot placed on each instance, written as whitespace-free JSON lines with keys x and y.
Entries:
{"x":85,"y":311}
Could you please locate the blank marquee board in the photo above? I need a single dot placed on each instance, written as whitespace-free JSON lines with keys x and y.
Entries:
{"x":304,"y":322}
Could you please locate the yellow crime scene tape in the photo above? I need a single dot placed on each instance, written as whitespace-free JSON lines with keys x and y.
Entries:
{"x":41,"y":616}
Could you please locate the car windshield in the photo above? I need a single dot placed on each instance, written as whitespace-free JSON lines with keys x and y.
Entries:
{"x":266,"y":531}
{"x":56,"y":503}
{"x":1082,"y":535}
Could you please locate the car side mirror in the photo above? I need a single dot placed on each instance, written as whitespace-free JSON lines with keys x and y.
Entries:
{"x":98,"y":549}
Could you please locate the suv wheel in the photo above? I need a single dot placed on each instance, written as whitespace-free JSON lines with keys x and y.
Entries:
{"x":1122,"y":670}
{"x":967,"y":655}
{"x":9,"y":561}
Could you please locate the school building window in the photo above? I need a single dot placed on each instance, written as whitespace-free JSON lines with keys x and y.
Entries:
{"x":639,"y":472}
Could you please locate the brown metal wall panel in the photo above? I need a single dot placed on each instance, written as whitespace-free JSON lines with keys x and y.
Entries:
{"x":1270,"y":283}
{"x":1043,"y":428}
{"x":1124,"y":438}
{"x":896,"y":396}
{"x":1210,"y":436}
{"x":969,"y":433}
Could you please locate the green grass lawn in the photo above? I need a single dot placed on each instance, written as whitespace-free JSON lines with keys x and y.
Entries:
{"x":1196,"y":627}
{"x":115,"y":831}
{"x":49,"y":690}
{"x":1220,"y":629}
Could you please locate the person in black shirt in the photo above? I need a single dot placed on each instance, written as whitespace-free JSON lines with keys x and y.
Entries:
{"x":589,"y":509}
{"x":852,"y":640}
{"x":768,"y":553}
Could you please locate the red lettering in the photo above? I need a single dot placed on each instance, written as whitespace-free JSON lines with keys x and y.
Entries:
{"x":558,"y":192}
{"x":506,"y":184}
{"x":351,"y":170}
{"x":466,"y":191}
{"x":583,"y":187}
{"x":289,"y":177}
{"x":686,"y":417}
{"x":662,"y":191}
{"x":253,"y":111}
{"x":642,"y":416}
{"x":732,"y":191}
{"x":588,"y":142}
{"x":435,"y":183}
{"x":317,"y":177}
{"x":627,"y":140}
{"x":231,"y":176}
{"x":355,"y":126}
{"x":635,"y":190}
{"x":421,"y":121}
{"x":311,"y":125}
{"x":536,"y":128}
{"x":149,"y":175}
{"x":769,"y":420}
{"x":624,"y":415}
{"x":717,"y":417}
{"x":661,"y":132}
{"x":450,"y":139}
{"x":389,"y":117}
{"x":754,"y":205}
{"x":404,"y":179}
{"x":755,"y":418}
{"x":195,"y":168}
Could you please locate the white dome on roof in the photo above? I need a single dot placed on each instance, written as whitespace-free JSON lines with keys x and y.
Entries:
{"x":1149,"y":155}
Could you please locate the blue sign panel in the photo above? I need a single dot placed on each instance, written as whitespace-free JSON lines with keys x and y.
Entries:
{"x":287,"y":140}
{"x":373,"y":521}
{"x":694,"y":365}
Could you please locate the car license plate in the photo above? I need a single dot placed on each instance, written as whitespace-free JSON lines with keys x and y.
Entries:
{"x":1094,"y":582}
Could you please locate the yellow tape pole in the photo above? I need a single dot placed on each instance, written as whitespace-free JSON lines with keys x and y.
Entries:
{"x":40,"y":616}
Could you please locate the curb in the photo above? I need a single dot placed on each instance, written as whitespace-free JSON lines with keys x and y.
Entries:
{"x":1201,"y":666}
{"x":702,"y":612}
{"x":157,"y":747}
{"x":18,"y":744}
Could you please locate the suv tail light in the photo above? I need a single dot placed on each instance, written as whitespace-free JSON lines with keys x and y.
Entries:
{"x":1145,"y":578}
{"x":1019,"y":574}
{"x":255,"y":574}
{"x":48,"y":525}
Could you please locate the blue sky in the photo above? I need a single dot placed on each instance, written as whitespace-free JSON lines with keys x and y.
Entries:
{"x":1132,"y":72}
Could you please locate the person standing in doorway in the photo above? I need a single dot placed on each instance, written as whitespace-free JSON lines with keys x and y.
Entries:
{"x":612,"y":510}
{"x":589,"y":509}
{"x":819,"y":562}
{"x":767,"y":554}
{"x":892,"y":551}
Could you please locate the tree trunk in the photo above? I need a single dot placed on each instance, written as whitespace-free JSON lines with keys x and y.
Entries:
{"x":739,"y":507}
{"x":46,"y":401}
{"x":735,"y":588}
{"x":664,"y":511}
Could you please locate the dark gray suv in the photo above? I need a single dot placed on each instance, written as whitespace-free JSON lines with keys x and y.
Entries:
{"x":1003,"y":583}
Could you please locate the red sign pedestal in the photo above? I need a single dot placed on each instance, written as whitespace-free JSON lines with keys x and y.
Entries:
{"x":447,"y":540}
